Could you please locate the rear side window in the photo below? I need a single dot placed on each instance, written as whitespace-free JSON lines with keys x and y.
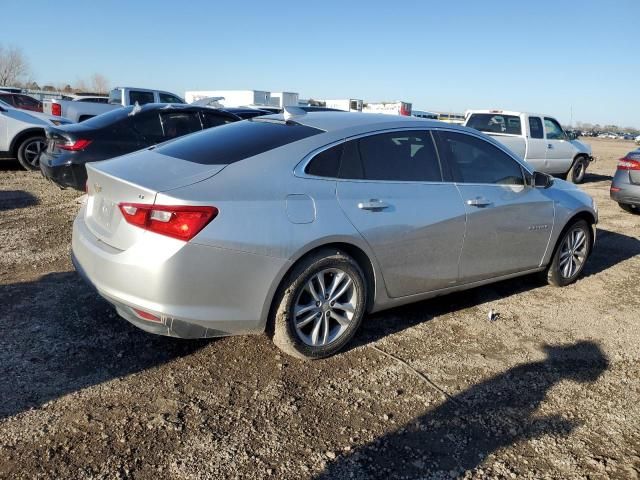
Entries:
{"x":495,"y":123}
{"x":115,"y":96}
{"x":141,"y":97}
{"x":473,"y":160}
{"x":407,"y":156}
{"x":535,"y":127}
{"x":236,"y":141}
{"x":326,"y":163}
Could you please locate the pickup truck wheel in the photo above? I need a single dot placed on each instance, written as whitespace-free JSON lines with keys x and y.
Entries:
{"x":578,"y":170}
{"x":29,"y":152}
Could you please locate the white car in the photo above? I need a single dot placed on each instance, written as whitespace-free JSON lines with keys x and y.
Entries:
{"x":538,"y":139}
{"x":22,"y":134}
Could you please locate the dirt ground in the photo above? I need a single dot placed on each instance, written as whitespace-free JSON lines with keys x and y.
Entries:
{"x":550,"y":389}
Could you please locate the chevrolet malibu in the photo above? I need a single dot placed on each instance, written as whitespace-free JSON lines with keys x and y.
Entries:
{"x":301,"y":224}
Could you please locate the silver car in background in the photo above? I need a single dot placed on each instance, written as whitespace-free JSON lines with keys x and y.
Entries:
{"x":625,"y":186}
{"x":301,"y":224}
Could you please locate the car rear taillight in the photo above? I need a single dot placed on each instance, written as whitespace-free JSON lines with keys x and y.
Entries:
{"x":56,"y":109}
{"x":74,"y":145}
{"x":629,"y":163}
{"x":181,"y":222}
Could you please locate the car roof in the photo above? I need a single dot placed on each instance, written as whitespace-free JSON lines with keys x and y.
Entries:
{"x":336,"y":121}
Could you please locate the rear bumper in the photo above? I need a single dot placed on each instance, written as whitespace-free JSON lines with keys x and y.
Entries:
{"x":195,"y":291}
{"x":64,"y":174}
{"x":623,"y":191}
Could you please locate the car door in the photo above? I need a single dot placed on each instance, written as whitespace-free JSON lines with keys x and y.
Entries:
{"x":559,"y":149}
{"x":508,"y":222}
{"x":391,"y":188}
{"x":536,"y":144}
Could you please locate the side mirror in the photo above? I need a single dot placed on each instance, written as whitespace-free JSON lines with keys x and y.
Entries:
{"x":571,"y":136}
{"x":542,"y":180}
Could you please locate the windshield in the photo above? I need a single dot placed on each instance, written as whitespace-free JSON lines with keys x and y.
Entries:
{"x":495,"y":123}
{"x":5,"y":104}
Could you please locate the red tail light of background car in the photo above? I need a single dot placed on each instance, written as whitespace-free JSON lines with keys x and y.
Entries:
{"x":181,"y":222}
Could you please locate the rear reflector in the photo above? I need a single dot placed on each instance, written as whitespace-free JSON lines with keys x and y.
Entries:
{"x":146,"y":315}
{"x":56,"y":109}
{"x":74,"y":145}
{"x":181,"y":222}
{"x":629,"y":163}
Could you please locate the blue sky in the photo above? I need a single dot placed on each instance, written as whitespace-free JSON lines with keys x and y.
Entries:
{"x":544,"y":56}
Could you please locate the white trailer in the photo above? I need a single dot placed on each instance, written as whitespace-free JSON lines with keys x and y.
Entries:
{"x":346,"y":104}
{"x":284,"y":99}
{"x":389,"y":108}
{"x":232,"y":98}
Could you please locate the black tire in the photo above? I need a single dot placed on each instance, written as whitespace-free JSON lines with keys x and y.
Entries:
{"x":29,"y":152}
{"x":578,"y":170}
{"x":554,"y":273}
{"x":294,"y":288}
{"x":628,"y":208}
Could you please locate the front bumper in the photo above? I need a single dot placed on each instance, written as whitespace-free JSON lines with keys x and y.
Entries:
{"x":196,"y":291}
{"x":65,"y":174}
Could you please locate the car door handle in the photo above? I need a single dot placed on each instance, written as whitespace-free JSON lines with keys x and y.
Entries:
{"x":373,"y":204}
{"x":550,"y":146}
{"x":479,"y":202}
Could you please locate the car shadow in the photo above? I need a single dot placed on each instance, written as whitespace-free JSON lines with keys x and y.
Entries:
{"x":58,"y":336}
{"x":459,"y":434}
{"x":10,"y":164}
{"x":610,"y":249}
{"x":590,"y":177}
{"x":11,"y":199}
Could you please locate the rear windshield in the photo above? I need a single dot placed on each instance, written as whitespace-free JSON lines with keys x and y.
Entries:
{"x":108,"y":118}
{"x":495,"y":123}
{"x":235,"y":141}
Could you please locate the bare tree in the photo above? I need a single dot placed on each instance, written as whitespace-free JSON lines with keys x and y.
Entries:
{"x":13,"y":65}
{"x":80,"y":86}
{"x":99,"y":83}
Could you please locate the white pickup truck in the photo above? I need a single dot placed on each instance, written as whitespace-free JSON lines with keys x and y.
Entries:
{"x":78,"y":110}
{"x":539,"y":139}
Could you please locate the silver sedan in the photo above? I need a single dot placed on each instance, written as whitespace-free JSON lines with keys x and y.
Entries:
{"x":300,"y":225}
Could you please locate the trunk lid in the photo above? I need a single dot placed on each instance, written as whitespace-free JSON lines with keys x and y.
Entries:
{"x":134,"y":178}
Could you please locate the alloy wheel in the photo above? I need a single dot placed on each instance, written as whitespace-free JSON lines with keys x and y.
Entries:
{"x":32,"y":151}
{"x":573,"y":253}
{"x":325,"y":307}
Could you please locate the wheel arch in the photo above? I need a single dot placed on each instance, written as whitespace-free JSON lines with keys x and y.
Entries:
{"x":357,"y":252}
{"x":23,"y":135}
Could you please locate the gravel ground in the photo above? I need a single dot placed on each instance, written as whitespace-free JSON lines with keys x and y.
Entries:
{"x":550,"y":389}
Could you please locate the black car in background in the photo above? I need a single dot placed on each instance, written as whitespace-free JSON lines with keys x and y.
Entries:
{"x":119,"y":132}
{"x":247,"y":113}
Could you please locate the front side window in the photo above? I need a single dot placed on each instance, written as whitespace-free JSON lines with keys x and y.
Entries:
{"x":168,"y":98}
{"x":407,"y":156}
{"x":177,"y":124}
{"x":473,"y":160}
{"x":553,"y":128}
{"x":141,"y":97}
{"x":210,"y":119}
{"x":535,"y":127}
{"x":495,"y":123}
{"x":115,"y":96}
